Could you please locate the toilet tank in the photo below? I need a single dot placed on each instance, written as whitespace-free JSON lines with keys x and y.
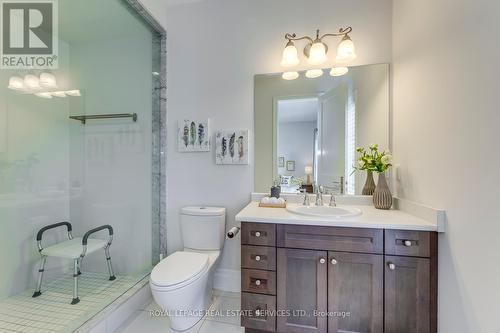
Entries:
{"x":203,"y":228}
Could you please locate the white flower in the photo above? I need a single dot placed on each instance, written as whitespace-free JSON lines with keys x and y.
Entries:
{"x":386,"y":159}
{"x":374,"y":146}
{"x":361,"y":163}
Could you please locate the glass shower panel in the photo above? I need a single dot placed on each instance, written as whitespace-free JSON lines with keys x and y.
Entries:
{"x":110,"y":159}
{"x":53,"y":168}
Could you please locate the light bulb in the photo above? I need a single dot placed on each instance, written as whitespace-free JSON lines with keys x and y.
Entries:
{"x":339,"y":71}
{"x":48,"y":80}
{"x":290,"y":55}
{"x":16,"y":83}
{"x":346,"y":51}
{"x":43,"y":94}
{"x":58,"y":93}
{"x":290,"y":75}
{"x":317,"y":53}
{"x":314,"y":73}
{"x":74,"y":93}
{"x":31,"y":82}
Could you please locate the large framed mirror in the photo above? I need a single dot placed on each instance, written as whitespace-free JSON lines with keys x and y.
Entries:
{"x":307,"y":130}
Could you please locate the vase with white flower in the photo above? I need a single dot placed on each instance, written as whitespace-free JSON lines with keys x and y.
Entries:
{"x":372,"y":160}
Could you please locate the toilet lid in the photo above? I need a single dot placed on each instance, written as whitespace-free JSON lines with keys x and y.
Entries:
{"x":179,"y":267}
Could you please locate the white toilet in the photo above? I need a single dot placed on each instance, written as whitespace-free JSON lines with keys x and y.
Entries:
{"x":182,"y":282}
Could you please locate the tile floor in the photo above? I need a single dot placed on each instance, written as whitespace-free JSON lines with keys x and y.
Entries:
{"x":224,"y":320}
{"x":52,"y":312}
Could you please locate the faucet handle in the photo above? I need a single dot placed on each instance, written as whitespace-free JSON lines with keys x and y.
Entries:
{"x":306,"y":197}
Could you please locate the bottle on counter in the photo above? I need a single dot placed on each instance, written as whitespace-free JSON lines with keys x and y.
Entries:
{"x":276,"y":189}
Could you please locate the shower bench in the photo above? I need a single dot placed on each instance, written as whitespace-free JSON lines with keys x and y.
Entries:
{"x":75,"y":249}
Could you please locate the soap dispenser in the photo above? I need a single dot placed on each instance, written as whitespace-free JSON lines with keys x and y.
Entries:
{"x":276,"y":189}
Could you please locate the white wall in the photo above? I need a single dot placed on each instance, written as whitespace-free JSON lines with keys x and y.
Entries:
{"x":446,"y":125}
{"x":214,"y":50}
{"x":295,"y":143}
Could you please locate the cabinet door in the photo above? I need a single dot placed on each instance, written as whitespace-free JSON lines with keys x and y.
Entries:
{"x":302,"y":291}
{"x":407,"y":295}
{"x":355,"y":292}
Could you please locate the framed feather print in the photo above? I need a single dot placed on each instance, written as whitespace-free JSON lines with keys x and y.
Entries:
{"x":193,"y":136}
{"x":231,"y":147}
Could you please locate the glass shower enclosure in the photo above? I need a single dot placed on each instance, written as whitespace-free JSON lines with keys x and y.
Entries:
{"x":88,"y":150}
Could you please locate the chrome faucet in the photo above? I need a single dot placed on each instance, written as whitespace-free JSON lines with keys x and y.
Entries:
{"x":319,"y":196}
{"x":333,"y":201}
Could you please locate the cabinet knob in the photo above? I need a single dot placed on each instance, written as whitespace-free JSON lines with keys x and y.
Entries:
{"x":257,"y":282}
{"x":257,"y":234}
{"x":391,"y":266}
{"x":322,"y":260}
{"x":257,"y":258}
{"x":334,"y":261}
{"x":407,"y":243}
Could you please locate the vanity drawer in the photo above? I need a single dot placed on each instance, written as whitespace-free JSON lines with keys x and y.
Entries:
{"x":257,"y":281}
{"x":258,"y":234}
{"x":410,"y":243}
{"x":258,"y":311}
{"x":258,"y":257}
{"x":331,"y":238}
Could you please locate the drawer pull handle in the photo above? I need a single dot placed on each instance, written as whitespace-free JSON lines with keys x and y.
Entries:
{"x":322,"y":260}
{"x":257,"y":258}
{"x":257,"y":234}
{"x":257,"y":282}
{"x":407,"y":243}
{"x":391,"y":266}
{"x":334,"y":261}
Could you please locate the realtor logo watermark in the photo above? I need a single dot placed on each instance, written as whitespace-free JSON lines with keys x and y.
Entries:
{"x":28,"y":34}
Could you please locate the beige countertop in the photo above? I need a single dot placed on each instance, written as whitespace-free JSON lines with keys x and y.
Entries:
{"x":370,"y":218}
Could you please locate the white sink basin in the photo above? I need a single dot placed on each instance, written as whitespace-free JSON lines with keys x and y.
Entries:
{"x":325,"y":211}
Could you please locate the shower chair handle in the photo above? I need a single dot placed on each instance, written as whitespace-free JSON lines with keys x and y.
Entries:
{"x":52,"y":226}
{"x":90,"y":232}
{"x":102,"y":227}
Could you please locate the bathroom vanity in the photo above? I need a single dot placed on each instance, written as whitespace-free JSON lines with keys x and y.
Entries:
{"x":376,"y":272}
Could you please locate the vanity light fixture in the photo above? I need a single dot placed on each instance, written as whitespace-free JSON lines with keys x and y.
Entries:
{"x":316,"y":52}
{"x":314,"y":73}
{"x":290,"y":75}
{"x":32,"y":82}
{"x":48,"y":80}
{"x":43,"y":94}
{"x":339,"y":71}
{"x":74,"y":93}
{"x":290,"y":55}
{"x":58,"y":93}
{"x":16,"y":83}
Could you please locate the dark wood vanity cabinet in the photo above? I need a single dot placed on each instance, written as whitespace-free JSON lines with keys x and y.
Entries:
{"x":302,"y":290}
{"x":330,"y":279}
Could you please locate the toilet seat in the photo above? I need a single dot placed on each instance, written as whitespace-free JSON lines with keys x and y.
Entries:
{"x":178,"y":270}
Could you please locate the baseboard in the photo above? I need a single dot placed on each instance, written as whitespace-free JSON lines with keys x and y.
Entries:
{"x":228,"y":280}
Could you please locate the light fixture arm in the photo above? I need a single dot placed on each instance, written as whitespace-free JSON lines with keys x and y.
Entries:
{"x":342,"y":32}
{"x":293,"y":37}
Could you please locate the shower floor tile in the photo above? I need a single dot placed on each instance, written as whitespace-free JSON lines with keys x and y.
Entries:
{"x":52,"y":312}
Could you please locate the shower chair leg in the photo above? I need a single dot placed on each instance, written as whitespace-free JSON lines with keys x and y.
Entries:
{"x":110,"y":266}
{"x":38,"y":290}
{"x":80,"y":266}
{"x":75,"y":286}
